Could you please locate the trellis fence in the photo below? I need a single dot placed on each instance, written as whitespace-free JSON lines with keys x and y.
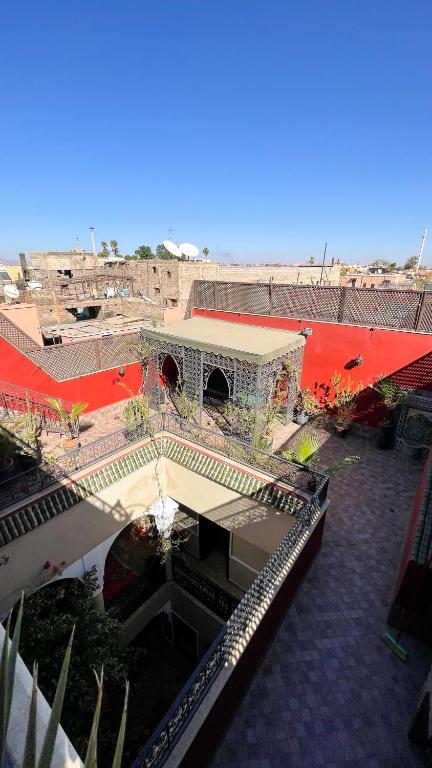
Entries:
{"x":407,"y":310}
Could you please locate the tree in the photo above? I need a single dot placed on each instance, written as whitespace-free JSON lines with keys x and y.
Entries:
{"x":144,"y":252}
{"x":104,"y":252}
{"x":311,"y":261}
{"x":411,"y":263}
{"x":205,"y":252}
{"x":49,"y":616}
{"x":114,"y":247}
{"x":162,"y":253}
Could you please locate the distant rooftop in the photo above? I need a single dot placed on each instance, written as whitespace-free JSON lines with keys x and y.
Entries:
{"x":244,"y":342}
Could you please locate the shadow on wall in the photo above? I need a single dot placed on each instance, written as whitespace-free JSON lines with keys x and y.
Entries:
{"x":369,"y":407}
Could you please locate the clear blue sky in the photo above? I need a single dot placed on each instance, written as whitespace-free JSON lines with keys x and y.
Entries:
{"x":258,"y":128}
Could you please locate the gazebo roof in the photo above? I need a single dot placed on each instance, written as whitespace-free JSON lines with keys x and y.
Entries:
{"x":243,"y":342}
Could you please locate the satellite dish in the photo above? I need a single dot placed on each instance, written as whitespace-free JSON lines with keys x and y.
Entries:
{"x":189,"y":250}
{"x":11,"y":291}
{"x":172,"y":247}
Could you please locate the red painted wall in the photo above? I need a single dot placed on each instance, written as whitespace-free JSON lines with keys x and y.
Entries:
{"x":332,"y":346}
{"x":96,"y":389}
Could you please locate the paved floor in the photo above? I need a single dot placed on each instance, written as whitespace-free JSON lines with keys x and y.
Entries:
{"x":329,"y":693}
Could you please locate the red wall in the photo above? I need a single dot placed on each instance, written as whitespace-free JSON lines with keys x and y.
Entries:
{"x":96,"y":389}
{"x":332,"y":346}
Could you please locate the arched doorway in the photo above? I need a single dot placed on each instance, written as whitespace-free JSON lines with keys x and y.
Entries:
{"x":170,"y":372}
{"x":217,"y":386}
{"x":133,"y":569}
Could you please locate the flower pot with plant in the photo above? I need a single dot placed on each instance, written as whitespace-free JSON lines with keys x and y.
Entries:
{"x":392,"y":396}
{"x":307,"y":406}
{"x":341,"y":402}
{"x":69,"y":421}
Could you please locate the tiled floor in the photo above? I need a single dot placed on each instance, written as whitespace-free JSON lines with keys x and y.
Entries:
{"x":329,"y":693}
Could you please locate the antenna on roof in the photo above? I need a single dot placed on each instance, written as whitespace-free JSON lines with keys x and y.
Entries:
{"x":170,"y":233}
{"x":423,"y":240}
{"x":92,"y":239}
{"x":323,"y":262}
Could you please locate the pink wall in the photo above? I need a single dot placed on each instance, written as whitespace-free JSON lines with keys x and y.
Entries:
{"x":332,"y":346}
{"x":25,"y":316}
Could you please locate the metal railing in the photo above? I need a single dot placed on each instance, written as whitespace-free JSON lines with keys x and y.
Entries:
{"x":408,"y":310}
{"x":46,"y":474}
{"x":229,"y":645}
{"x":16,"y":400}
{"x":206,"y":591}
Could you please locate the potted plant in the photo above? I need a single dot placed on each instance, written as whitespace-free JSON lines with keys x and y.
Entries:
{"x":7,"y":455}
{"x":341,"y":402}
{"x":307,"y":405}
{"x":304,"y":452}
{"x":28,"y":428}
{"x":392,"y":396}
{"x":136,"y":414}
{"x":69,"y":420}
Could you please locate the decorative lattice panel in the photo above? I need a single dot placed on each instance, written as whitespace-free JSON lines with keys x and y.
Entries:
{"x":204,"y":294}
{"x":425,"y":318}
{"x":393,"y":309}
{"x":251,"y":298}
{"x":306,"y":301}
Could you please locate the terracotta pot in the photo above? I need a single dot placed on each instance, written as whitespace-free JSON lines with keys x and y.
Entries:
{"x":70,"y":443}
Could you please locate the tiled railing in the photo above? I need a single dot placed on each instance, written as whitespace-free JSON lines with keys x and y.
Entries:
{"x":206,"y":591}
{"x":15,"y":400}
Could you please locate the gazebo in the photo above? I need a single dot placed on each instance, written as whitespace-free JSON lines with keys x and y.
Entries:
{"x":224,"y":360}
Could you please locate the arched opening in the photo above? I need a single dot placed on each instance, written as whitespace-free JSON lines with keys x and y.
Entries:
{"x":217,"y":386}
{"x":133,"y":568}
{"x":170,"y":372}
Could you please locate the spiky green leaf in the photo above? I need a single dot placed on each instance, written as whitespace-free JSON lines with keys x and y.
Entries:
{"x":91,"y":754}
{"x":30,"y":745}
{"x":51,"y":732}
{"x":122,"y":730}
{"x":4,"y":687}
{"x":13,"y":653}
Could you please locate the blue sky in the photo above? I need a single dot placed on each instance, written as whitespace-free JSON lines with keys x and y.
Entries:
{"x":259,"y":129}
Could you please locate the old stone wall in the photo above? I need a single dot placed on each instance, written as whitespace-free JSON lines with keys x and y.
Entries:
{"x":303,"y":275}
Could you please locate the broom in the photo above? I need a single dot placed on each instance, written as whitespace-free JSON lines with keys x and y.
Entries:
{"x":393,"y":642}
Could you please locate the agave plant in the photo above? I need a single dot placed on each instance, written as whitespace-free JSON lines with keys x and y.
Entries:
{"x":304,"y":451}
{"x":7,"y":677}
{"x":68,"y":419}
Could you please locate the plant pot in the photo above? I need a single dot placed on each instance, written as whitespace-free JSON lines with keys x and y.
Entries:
{"x":70,"y":444}
{"x":7,"y":470}
{"x":301,"y":418}
{"x":384,"y":436}
{"x":341,"y":428}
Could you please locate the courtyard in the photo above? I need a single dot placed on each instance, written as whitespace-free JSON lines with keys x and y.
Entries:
{"x":329,"y":693}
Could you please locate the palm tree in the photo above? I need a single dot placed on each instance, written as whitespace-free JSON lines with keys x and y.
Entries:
{"x":68,"y":419}
{"x":304,"y":451}
{"x":114,"y":247}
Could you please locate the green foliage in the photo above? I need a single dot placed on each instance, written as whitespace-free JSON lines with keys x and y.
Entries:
{"x":304,"y":450}
{"x":114,"y":247}
{"x":137,"y":410}
{"x":104,"y":252}
{"x":144,"y":252}
{"x":186,"y":406}
{"x":390,"y":393}
{"x":7,"y":676}
{"x":205,"y":252}
{"x":48,"y":620}
{"x":162,"y":253}
{"x":411,"y":263}
{"x":341,"y":398}
{"x":69,"y":421}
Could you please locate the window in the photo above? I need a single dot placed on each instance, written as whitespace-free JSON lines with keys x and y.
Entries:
{"x":157,"y":290}
{"x":372,"y":285}
{"x":174,"y":302}
{"x":154,"y":270}
{"x":168,"y":274}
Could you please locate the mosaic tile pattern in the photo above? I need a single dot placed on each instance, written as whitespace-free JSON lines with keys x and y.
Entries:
{"x":329,"y":693}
